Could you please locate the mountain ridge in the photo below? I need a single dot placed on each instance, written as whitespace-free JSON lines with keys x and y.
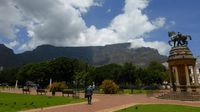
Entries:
{"x":94,"y":55}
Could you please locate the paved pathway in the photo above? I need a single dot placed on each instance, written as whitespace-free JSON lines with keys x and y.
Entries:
{"x":109,"y":103}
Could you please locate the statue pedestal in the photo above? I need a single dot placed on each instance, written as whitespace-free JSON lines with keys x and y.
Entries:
{"x":189,"y":89}
{"x":178,"y":89}
{"x":182,"y":64}
{"x":198,"y":89}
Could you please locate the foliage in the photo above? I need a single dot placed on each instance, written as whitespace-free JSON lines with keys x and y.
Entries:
{"x":10,"y":102}
{"x":81,"y":78}
{"x":58,"y":86}
{"x":8,"y":76}
{"x":79,"y":74}
{"x":60,"y":69}
{"x":37,"y":73}
{"x":138,"y":91}
{"x":109,"y":87}
{"x":160,"y":108}
{"x":110,"y":72}
{"x":157,"y":73}
{"x":128,"y":74}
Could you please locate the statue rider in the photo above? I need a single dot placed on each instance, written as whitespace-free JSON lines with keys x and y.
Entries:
{"x":179,"y":39}
{"x":179,"y":35}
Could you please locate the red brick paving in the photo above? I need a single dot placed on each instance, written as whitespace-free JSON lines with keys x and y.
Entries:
{"x":113,"y":101}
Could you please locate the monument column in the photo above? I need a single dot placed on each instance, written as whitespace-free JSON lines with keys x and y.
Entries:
{"x":195,"y":76}
{"x":187,"y":75}
{"x":180,"y":60}
{"x":187,"y":79}
{"x":177,"y":80}
{"x":171,"y":80}
{"x":196,"y":79}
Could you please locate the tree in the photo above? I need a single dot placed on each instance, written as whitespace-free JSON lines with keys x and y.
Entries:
{"x":109,"y":87}
{"x":128,"y":74}
{"x":156,"y":73}
{"x":110,"y":71}
{"x":60,"y":69}
{"x":8,"y":76}
{"x":156,"y":66}
{"x":81,"y":78}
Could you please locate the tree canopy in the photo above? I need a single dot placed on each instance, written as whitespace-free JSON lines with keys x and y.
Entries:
{"x":74,"y":71}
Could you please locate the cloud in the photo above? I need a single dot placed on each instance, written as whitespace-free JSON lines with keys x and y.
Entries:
{"x":9,"y":19}
{"x":80,"y":5}
{"x":46,"y":25}
{"x":132,"y":23}
{"x":60,"y":23}
{"x":93,"y":36}
{"x":137,"y":43}
{"x":12,"y":44}
{"x":128,"y":26}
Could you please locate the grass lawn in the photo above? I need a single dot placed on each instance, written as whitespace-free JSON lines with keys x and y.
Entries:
{"x":160,"y":108}
{"x":10,"y":102}
{"x":136,"y":91}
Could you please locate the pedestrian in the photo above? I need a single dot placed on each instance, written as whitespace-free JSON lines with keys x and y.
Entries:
{"x":89,"y":93}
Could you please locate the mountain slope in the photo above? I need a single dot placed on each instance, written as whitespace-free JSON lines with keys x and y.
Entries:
{"x":7,"y":57}
{"x":94,"y":55}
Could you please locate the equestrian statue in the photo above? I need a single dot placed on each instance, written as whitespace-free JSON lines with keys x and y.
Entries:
{"x":178,"y":39}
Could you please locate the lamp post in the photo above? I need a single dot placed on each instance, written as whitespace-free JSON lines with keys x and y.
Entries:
{"x":50,"y":82}
{"x":77,"y":89}
{"x":16,"y":84}
{"x":93,"y":85}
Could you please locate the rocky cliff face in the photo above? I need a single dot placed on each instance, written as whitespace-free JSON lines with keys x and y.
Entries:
{"x":94,"y":55}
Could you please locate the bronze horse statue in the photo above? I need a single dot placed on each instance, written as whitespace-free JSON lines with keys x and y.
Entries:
{"x":178,"y":39}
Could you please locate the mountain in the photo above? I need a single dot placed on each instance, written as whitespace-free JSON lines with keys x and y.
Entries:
{"x":94,"y":55}
{"x":7,"y":57}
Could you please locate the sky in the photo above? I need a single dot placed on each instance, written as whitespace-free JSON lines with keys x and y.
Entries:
{"x":26,"y":24}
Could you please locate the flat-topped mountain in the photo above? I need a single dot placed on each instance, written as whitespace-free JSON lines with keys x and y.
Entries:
{"x":94,"y":55}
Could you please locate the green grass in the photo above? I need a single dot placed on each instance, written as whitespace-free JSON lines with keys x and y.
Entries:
{"x":160,"y":108}
{"x":135,"y":91}
{"x":10,"y":102}
{"x":128,"y":91}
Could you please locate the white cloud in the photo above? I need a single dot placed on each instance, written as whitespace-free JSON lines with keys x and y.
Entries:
{"x":81,"y":5}
{"x":161,"y":46}
{"x":9,"y":19}
{"x":12,"y":44}
{"x":60,"y":23}
{"x":51,"y":22}
{"x":133,"y":23}
{"x":93,"y":36}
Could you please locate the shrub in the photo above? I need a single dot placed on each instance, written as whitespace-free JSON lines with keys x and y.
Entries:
{"x":109,"y":87}
{"x":58,"y":86}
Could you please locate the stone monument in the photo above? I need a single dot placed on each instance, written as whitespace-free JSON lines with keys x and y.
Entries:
{"x":182,"y":64}
{"x":182,"y":67}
